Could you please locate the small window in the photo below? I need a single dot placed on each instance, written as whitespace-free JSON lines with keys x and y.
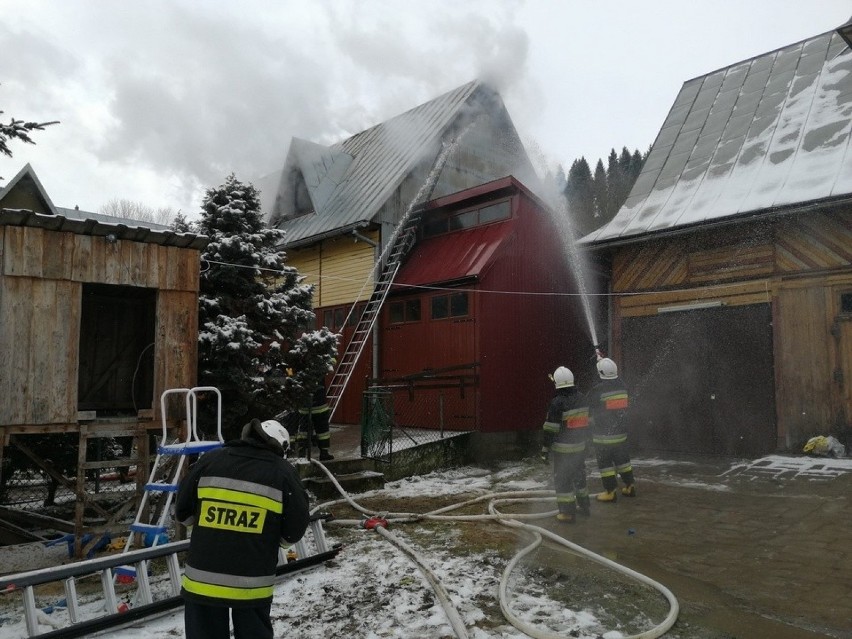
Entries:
{"x":454,"y":305}
{"x":339,"y":318}
{"x":846,"y":303}
{"x":396,"y":313}
{"x":463,"y":221}
{"x":458,"y":304}
{"x":404,"y":311}
{"x":440,"y":307}
{"x":412,"y":311}
{"x":499,"y":211}
{"x":355,"y":316}
{"x":328,"y":319}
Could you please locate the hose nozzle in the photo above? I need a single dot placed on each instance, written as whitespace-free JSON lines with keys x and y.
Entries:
{"x":599,"y":354}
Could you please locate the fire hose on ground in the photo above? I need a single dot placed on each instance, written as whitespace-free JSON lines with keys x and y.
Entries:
{"x":379,"y":522}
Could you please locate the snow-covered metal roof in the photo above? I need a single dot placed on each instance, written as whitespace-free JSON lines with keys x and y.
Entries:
{"x":348,"y":182}
{"x":772,"y":131}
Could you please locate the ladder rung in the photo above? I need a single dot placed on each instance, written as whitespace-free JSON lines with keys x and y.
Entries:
{"x":161,"y":488}
{"x":147,"y":528}
{"x":189,"y":448}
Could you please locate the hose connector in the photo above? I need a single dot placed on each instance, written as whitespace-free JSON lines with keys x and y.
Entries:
{"x":372,"y":523}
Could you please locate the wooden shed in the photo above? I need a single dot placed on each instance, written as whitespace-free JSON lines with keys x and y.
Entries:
{"x":730,"y":264}
{"x":96,"y":320}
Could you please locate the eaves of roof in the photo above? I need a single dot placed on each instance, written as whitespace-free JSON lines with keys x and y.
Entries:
{"x":18,"y":217}
{"x":763,"y":215}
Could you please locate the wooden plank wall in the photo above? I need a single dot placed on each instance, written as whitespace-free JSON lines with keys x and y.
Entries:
{"x":338,"y":269}
{"x":799,"y":264}
{"x":804,"y":351}
{"x":42,"y":273}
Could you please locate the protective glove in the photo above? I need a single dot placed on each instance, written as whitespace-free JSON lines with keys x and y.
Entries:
{"x":544,"y":455}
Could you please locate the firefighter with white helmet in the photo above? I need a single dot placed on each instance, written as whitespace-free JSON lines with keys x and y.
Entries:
{"x":564,"y":439}
{"x":608,"y":404}
{"x":242,"y":499}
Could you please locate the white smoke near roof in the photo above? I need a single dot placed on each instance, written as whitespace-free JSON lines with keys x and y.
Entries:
{"x":196,"y":94}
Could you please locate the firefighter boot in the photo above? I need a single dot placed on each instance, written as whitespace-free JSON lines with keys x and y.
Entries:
{"x":608,"y":495}
{"x":629,"y":491}
{"x":566,"y":514}
{"x":325,"y":455}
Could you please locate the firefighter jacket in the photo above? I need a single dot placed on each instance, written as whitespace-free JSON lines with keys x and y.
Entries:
{"x":566,"y":425}
{"x":319,"y":403}
{"x":608,"y":402}
{"x":241,"y":500}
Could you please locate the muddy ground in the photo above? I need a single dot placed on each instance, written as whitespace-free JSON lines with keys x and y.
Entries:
{"x":747,"y":554}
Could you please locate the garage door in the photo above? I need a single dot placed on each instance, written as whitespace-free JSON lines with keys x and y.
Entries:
{"x":702,"y":381}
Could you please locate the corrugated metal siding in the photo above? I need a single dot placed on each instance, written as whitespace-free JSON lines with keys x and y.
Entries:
{"x":767,"y":132}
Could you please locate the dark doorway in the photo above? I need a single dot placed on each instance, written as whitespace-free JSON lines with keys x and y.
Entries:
{"x":702,"y":381}
{"x":116,"y":349}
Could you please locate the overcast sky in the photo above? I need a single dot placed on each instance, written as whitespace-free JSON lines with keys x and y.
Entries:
{"x":159,"y":100}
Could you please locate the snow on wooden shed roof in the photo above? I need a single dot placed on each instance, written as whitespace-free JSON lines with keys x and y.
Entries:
{"x":766,"y":133}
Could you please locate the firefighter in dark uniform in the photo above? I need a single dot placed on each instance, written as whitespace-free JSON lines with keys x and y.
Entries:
{"x":315,"y":420}
{"x":608,"y":402}
{"x":565,"y":434}
{"x":242,"y":500}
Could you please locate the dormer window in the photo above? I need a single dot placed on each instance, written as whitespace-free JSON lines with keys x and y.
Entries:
{"x":446,"y":221}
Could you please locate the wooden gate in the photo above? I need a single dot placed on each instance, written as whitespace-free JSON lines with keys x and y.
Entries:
{"x":702,"y":381}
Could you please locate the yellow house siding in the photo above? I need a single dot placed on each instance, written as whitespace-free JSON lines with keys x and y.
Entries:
{"x":338,"y":268}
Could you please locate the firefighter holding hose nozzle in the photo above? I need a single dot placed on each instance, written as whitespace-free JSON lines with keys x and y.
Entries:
{"x":608,"y":402}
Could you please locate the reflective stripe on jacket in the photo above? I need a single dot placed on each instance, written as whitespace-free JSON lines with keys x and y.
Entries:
{"x":608,"y":404}
{"x":243,"y":499}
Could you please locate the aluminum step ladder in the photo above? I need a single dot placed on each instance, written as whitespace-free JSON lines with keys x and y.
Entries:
{"x":120,"y":604}
{"x":168,"y":468}
{"x":398,"y":246}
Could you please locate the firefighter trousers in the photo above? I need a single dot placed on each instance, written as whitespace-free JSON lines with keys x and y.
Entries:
{"x":212,"y":622}
{"x":614,"y":460}
{"x":569,"y":481}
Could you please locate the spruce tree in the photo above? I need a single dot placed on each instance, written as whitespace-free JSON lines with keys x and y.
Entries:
{"x":580,"y":196}
{"x":255,"y":345}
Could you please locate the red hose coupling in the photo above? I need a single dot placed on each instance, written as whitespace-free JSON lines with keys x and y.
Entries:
{"x":374,"y":522}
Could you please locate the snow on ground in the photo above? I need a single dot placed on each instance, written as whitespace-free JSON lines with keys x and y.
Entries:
{"x":374,"y":591}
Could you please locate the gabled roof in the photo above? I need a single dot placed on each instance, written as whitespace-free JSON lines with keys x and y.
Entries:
{"x":27,"y":185}
{"x":349,"y":182}
{"x":766,"y":133}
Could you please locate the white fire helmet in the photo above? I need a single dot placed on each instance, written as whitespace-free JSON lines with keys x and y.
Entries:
{"x":562,"y":378}
{"x":277,"y":432}
{"x":607,"y":368}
